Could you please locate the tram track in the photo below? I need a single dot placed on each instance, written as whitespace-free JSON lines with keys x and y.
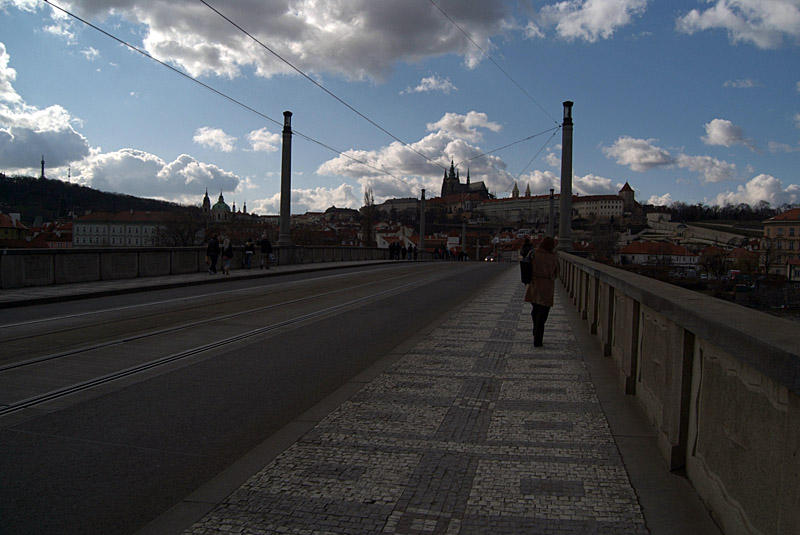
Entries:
{"x":8,"y":407}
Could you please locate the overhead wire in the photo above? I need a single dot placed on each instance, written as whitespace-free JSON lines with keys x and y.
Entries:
{"x":507,"y":75}
{"x":481,"y":155}
{"x":214,"y":90}
{"x":319,"y":85}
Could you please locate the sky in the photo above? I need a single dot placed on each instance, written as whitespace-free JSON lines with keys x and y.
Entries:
{"x":694,"y":101}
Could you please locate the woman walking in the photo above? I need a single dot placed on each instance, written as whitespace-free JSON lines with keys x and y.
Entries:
{"x":227,"y":256}
{"x":539,"y":293}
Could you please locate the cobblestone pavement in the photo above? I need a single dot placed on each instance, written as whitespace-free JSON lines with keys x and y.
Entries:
{"x":473,"y":431}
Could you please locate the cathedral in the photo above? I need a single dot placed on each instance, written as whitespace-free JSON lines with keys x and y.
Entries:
{"x":451,"y":184}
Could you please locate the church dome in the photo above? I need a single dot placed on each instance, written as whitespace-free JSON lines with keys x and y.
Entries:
{"x":220,"y":210}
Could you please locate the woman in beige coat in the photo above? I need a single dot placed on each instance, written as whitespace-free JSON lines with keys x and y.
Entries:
{"x":539,"y":292}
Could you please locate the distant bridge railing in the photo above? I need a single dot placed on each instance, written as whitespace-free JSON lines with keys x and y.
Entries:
{"x":40,"y":267}
{"x":720,"y":384}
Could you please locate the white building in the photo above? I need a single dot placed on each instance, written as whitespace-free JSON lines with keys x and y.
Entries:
{"x":121,"y":229}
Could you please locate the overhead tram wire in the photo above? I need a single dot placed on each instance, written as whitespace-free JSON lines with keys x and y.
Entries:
{"x":328,"y":91}
{"x":443,"y":12}
{"x":554,"y":130}
{"x":213,"y":90}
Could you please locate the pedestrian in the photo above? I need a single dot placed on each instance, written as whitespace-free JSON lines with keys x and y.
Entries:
{"x":212,"y":252}
{"x":249,"y":251}
{"x":539,"y":292}
{"x":525,"y":258}
{"x":266,"y":251}
{"x":403,"y":252}
{"x":414,"y":252}
{"x":227,"y":255}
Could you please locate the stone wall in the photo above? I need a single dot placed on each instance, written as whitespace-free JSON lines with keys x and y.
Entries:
{"x":38,"y":267}
{"x":719,"y":383}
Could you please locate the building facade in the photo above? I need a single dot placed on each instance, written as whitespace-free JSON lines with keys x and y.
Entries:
{"x":121,"y":229}
{"x":780,"y":242}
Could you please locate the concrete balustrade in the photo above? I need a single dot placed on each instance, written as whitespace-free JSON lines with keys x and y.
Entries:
{"x":719,"y":383}
{"x":38,"y":267}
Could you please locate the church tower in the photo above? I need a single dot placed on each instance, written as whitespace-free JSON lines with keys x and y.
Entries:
{"x":206,"y":204}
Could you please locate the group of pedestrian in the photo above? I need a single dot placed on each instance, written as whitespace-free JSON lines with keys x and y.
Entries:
{"x":398,"y":251}
{"x":539,"y":268}
{"x":215,"y":249}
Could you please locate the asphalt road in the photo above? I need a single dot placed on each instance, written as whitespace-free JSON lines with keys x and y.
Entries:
{"x":111,"y":459}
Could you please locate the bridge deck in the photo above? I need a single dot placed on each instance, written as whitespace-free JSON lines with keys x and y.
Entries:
{"x":470,"y":430}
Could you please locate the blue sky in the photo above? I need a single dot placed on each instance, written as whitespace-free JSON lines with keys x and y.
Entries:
{"x":690,"y":100}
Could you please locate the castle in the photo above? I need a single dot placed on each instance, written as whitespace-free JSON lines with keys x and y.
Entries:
{"x":451,"y":184}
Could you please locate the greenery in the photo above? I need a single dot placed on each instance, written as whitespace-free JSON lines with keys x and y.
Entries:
{"x":54,"y":199}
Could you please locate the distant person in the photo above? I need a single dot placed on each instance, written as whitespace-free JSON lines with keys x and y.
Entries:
{"x":525,"y":257}
{"x":227,"y":255}
{"x":414,"y":252}
{"x":212,"y":253}
{"x":539,"y":292}
{"x":266,"y":251}
{"x":249,"y":251}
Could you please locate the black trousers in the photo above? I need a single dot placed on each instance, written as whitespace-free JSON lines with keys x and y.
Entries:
{"x":539,"y":314}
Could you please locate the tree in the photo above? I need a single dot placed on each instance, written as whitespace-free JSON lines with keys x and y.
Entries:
{"x":368,"y":218}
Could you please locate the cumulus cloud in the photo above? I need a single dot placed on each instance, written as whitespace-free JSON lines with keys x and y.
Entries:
{"x":464,"y":126}
{"x":725,"y":133}
{"x":214,"y":138}
{"x":660,"y":200}
{"x":797,"y":120}
{"x":594,"y":185}
{"x":355,"y":39}
{"x":431,"y":83}
{"x":763,"y":23}
{"x":312,"y":200}
{"x":262,"y":140}
{"x":761,"y":188}
{"x":451,"y":138}
{"x":29,"y":132}
{"x":140,"y":173}
{"x":711,"y":169}
{"x":588,"y":20}
{"x":540,"y":182}
{"x":642,"y":155}
{"x":638,"y":154}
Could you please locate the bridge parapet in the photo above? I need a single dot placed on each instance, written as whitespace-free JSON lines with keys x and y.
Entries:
{"x":720,"y":384}
{"x":38,"y":267}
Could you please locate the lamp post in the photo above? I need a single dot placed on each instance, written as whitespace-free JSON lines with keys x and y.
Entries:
{"x":284,"y":235}
{"x":565,"y":198}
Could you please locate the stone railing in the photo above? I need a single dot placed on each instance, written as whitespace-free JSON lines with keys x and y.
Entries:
{"x":39,"y":267}
{"x":719,"y":383}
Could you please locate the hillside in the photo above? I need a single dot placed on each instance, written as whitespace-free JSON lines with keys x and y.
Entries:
{"x":53,"y":199}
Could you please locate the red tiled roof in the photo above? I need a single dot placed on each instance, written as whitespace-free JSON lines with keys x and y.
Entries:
{"x":626,"y":187}
{"x":7,"y":222}
{"x":788,"y":215}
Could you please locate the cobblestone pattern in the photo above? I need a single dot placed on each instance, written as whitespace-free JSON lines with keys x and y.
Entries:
{"x":473,"y":431}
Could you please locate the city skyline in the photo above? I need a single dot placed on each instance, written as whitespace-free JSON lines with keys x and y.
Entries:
{"x":696,"y":102}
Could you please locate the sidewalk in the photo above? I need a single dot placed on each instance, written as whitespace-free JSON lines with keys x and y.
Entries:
{"x":53,"y":293}
{"x":470,"y":430}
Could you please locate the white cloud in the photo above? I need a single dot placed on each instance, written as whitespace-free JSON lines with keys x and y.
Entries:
{"x":638,"y":154}
{"x":262,"y":140}
{"x":464,"y":126}
{"x":431,"y":83}
{"x":588,"y":20}
{"x":642,"y":155}
{"x":725,"y":133}
{"x":742,"y":83}
{"x":140,"y":173}
{"x":90,"y":53}
{"x":540,"y":182}
{"x":355,"y":39}
{"x":312,"y":200}
{"x":764,"y":23}
{"x":712,"y":169}
{"x":552,"y":159}
{"x":660,"y":200}
{"x":593,"y":185}
{"x":761,"y":188}
{"x":214,"y":138}
{"x":797,"y":120}
{"x":28,"y":132}
{"x":7,"y":76}
{"x":452,"y":138}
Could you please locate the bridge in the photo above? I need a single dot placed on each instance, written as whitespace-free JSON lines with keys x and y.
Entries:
{"x":394,"y":397}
